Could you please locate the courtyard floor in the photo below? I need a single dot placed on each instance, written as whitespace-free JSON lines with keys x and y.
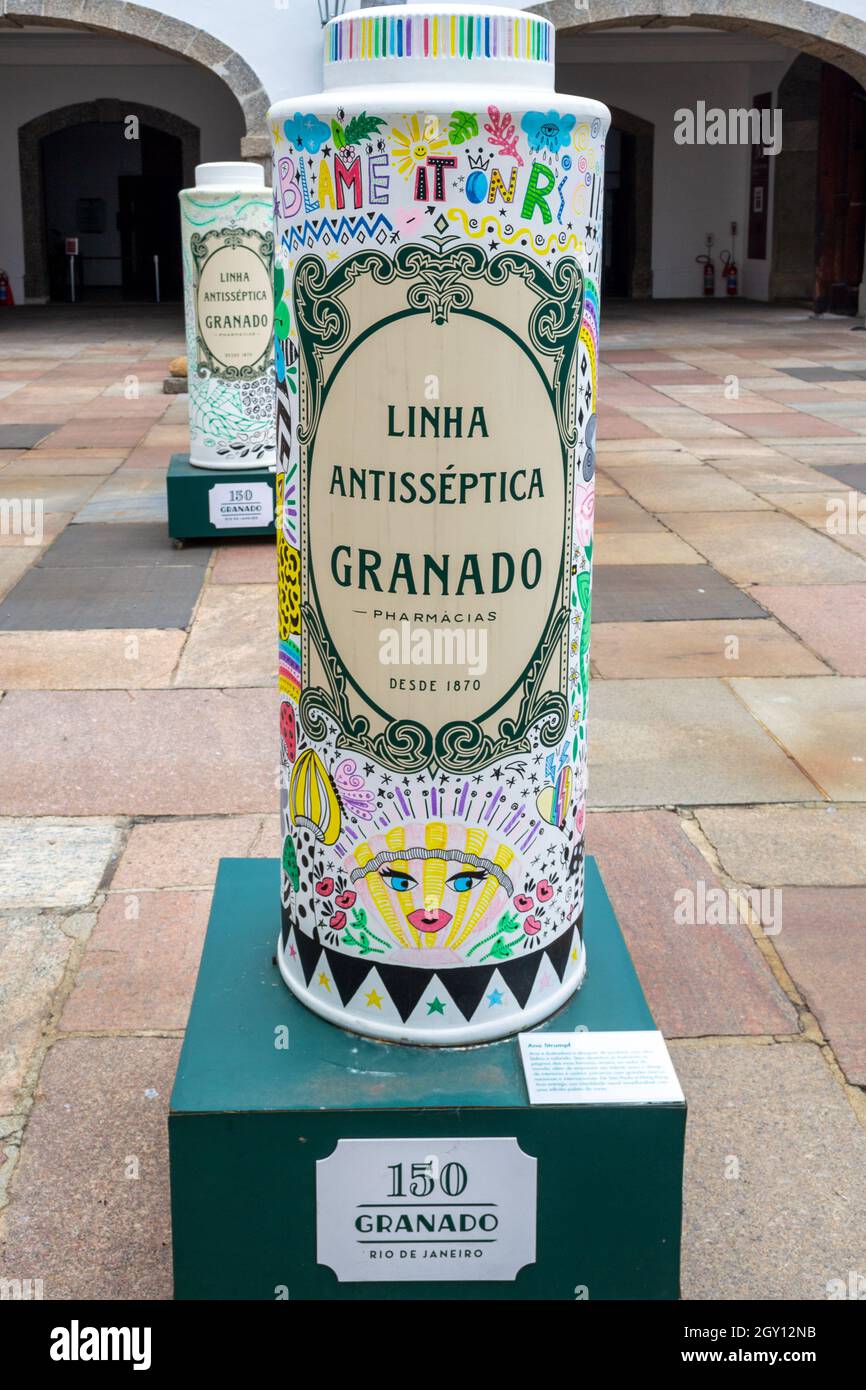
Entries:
{"x":728,"y":749}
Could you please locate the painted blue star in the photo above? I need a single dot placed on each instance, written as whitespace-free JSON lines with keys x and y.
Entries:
{"x":494,"y":997}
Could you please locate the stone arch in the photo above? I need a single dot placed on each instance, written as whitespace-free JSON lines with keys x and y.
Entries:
{"x":643,"y":134}
{"x":125,"y":20}
{"x":30,"y":135}
{"x":816,"y":29}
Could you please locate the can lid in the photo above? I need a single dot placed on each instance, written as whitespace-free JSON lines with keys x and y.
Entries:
{"x":229,"y":175}
{"x":452,"y":43}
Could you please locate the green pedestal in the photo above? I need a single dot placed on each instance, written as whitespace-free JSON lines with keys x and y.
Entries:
{"x":195,"y":514}
{"x":265,"y":1088}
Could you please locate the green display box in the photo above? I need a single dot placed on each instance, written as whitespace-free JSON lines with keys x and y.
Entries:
{"x":197,"y":512}
{"x":265,"y":1089}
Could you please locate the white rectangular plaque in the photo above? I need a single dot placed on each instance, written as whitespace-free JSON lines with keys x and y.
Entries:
{"x":426,"y":1209}
{"x":240,"y":504}
{"x":587,"y":1068}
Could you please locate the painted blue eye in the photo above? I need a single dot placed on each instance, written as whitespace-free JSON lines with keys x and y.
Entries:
{"x":400,"y":882}
{"x":464,"y":883}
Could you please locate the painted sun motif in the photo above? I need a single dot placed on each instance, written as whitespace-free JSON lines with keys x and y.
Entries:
{"x":413,"y":145}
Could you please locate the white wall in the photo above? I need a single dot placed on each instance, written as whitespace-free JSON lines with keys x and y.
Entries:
{"x":696,"y":188}
{"x":99,"y":67}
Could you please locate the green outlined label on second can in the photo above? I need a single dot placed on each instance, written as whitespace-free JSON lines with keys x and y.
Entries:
{"x":234,"y":302}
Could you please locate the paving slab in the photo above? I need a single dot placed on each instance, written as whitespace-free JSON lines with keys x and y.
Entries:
{"x":181,"y":853}
{"x":56,"y":494}
{"x":242,"y":562}
{"x":839,"y":515}
{"x":700,"y":979}
{"x":820,"y":721}
{"x":624,"y":516}
{"x":823,"y":946}
{"x":825,"y":373}
{"x":766,"y":548}
{"x":830,"y":618}
{"x":657,"y":593}
{"x":681,"y":743}
{"x":140,"y":964}
{"x":77,"y":1215}
{"x":851,"y":474}
{"x":687,"y":489}
{"x":774,"y":846}
{"x":55,"y":863}
{"x":23,"y":436}
{"x":716,"y":647}
{"x":47,"y":465}
{"x":131,"y":495}
{"x":792,"y":1219}
{"x":107,"y":659}
{"x":776,"y":478}
{"x":34,"y":952}
{"x":138,"y":752}
{"x":629,"y":548}
{"x":78,"y":599}
{"x":86,"y":434}
{"x":89,"y":547}
{"x":14,"y":564}
{"x":233,"y":638}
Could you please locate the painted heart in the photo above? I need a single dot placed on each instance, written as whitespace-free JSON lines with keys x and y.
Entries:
{"x":325,"y":887}
{"x":338,"y":920}
{"x":531,"y":926}
{"x":346,"y":899}
{"x":522,"y":903}
{"x":544,"y":891}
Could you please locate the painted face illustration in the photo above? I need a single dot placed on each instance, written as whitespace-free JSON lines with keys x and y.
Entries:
{"x":433,"y":916}
{"x":433,"y":884}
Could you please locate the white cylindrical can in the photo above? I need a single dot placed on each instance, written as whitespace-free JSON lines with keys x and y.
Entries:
{"x":228,"y":253}
{"x":438,"y":258}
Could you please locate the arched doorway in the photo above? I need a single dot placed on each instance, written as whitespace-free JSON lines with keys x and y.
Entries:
{"x":828,"y":215}
{"x":108,"y":173}
{"x":628,"y":207}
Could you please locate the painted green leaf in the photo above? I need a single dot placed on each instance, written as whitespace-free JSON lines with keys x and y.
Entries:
{"x":361,"y":128}
{"x":281,"y":320}
{"x":339,"y":134}
{"x":583,"y":589}
{"x":279,"y":283}
{"x":463,"y":126}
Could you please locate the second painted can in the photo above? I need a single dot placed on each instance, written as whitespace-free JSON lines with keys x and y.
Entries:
{"x":228,"y":256}
{"x":438,"y":258}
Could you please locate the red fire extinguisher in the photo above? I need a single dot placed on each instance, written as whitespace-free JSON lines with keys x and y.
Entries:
{"x":730,"y":274}
{"x":708,"y":264}
{"x":7,"y":299}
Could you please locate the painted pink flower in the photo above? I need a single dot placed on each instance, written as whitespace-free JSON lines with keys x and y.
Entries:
{"x":531,"y":926}
{"x":544,"y":891}
{"x":325,"y":887}
{"x":522,"y":902}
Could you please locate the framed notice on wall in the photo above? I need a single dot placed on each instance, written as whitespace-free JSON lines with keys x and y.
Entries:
{"x":759,"y":190}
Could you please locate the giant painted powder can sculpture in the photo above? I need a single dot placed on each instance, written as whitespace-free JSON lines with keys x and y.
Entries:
{"x":228,"y":251}
{"x":438,"y":254}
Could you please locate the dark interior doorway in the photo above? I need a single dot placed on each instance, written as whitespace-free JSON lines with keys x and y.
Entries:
{"x":841,"y":219}
{"x":73,"y":163}
{"x":628,"y":190}
{"x":118,"y":197}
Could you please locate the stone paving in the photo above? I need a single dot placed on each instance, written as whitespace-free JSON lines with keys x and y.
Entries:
{"x":728,"y":752}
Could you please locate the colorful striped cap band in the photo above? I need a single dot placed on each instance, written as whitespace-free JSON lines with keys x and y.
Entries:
{"x":417,"y":33}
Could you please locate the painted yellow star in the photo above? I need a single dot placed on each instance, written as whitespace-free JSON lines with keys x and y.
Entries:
{"x":574,"y":954}
{"x":373,"y":1000}
{"x":325,"y":982}
{"x":277,"y":134}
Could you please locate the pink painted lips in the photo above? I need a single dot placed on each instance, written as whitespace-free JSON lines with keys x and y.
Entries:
{"x":425,"y":919}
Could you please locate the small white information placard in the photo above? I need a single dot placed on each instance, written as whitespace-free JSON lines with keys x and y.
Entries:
{"x":588,"y":1068}
{"x":240,"y":504}
{"x":426,"y":1209}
